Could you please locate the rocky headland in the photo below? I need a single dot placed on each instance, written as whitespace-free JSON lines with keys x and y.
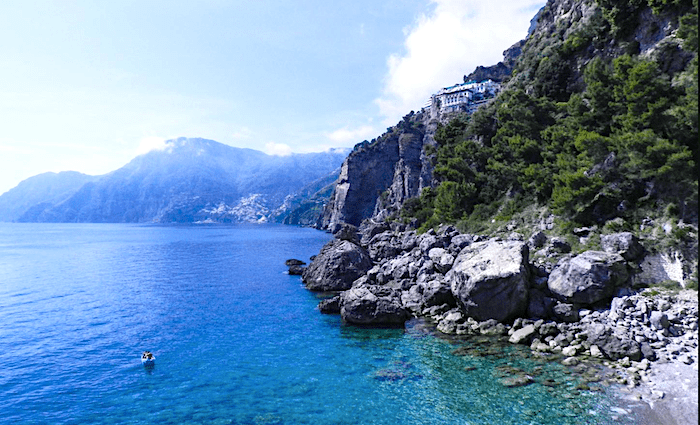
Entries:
{"x":593,"y":311}
{"x":583,"y":249}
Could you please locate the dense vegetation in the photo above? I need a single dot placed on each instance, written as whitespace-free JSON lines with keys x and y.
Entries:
{"x":619,"y":140}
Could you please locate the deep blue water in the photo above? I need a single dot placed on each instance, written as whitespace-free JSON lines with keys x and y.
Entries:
{"x":237,"y":340}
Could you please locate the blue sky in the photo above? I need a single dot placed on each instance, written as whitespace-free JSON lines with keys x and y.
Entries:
{"x":88,"y":85}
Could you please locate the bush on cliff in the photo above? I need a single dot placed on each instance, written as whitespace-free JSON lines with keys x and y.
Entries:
{"x":624,"y":145}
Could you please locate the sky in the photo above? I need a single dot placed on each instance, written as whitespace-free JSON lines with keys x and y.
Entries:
{"x":88,"y":85}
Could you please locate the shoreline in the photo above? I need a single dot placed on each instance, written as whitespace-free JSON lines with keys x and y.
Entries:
{"x":584,"y":310}
{"x":666,"y":396}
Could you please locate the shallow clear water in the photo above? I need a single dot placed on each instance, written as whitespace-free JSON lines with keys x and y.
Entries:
{"x":237,"y":340}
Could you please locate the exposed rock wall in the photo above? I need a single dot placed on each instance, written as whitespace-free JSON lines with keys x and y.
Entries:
{"x":378,"y":176}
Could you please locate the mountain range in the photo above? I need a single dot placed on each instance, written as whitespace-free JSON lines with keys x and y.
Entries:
{"x":190,"y":180}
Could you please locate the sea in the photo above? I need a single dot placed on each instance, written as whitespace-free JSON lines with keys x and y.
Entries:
{"x":236,"y":339}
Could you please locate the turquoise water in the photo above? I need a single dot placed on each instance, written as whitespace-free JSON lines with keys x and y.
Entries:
{"x":237,"y":340}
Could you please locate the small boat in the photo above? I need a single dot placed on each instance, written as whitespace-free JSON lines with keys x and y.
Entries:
{"x":148,"y":359}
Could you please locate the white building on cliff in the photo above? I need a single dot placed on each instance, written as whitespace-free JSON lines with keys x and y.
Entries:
{"x":462,"y":97}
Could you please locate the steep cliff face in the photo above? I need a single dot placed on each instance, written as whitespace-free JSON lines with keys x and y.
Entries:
{"x":567,"y":34}
{"x":378,"y":176}
{"x":502,"y":70}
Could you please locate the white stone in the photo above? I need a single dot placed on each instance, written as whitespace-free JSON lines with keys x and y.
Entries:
{"x":595,"y":351}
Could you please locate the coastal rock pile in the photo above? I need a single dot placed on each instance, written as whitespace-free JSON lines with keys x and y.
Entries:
{"x":581,"y":307}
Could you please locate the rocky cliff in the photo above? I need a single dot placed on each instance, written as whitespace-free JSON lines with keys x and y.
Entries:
{"x":379,"y":175}
{"x":621,"y":289}
{"x":567,"y":34}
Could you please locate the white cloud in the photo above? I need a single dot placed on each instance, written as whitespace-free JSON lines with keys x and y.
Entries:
{"x":452,"y":41}
{"x":151,"y":143}
{"x":344,"y":136}
{"x":277,"y":149}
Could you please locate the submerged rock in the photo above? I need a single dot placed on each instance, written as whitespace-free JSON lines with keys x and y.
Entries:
{"x":296,"y":270}
{"x":516,"y":381}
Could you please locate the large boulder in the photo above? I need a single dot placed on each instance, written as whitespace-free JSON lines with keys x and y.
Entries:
{"x":337,"y":266}
{"x":369,"y":229}
{"x":540,"y":306}
{"x":441,"y":259}
{"x":373,"y":305}
{"x":624,"y":243}
{"x":613,"y":346}
{"x":490,"y":279}
{"x":346,"y":232}
{"x":588,"y":278}
{"x":436,"y":292}
{"x":384,"y":245}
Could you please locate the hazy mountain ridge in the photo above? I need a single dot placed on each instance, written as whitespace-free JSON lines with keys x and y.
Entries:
{"x":47,"y":189}
{"x":191,"y":180}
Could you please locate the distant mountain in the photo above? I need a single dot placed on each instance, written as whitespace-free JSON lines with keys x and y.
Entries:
{"x":44,"y":189}
{"x":306,"y":206}
{"x":191,"y":180}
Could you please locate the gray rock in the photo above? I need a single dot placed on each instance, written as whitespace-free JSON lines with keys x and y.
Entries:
{"x":589,"y":277}
{"x":459,"y":242}
{"x":330,"y":305}
{"x":492,"y":327}
{"x":561,"y":245}
{"x":523,"y":335}
{"x":449,"y":322}
{"x":566,"y":312}
{"x":428,"y":242}
{"x":539,"y":305}
{"x":490,"y":280}
{"x":613,"y":346}
{"x":384,"y":245}
{"x":337,"y":266}
{"x":296,"y":270}
{"x":647,"y":351}
{"x":659,"y":320}
{"x":441,"y":259}
{"x":346,"y":232}
{"x":625,"y":244}
{"x":368,"y":229}
{"x":373,"y":305}
{"x":294,"y":262}
{"x":583,"y":231}
{"x":538,"y":239}
{"x":409,"y":241}
{"x":437,"y":292}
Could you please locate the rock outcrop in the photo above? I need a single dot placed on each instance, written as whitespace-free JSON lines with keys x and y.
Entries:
{"x":490,"y":280}
{"x":380,"y":174}
{"x":588,"y":277}
{"x":466,"y":285}
{"x":373,"y":305}
{"x":337,"y":266}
